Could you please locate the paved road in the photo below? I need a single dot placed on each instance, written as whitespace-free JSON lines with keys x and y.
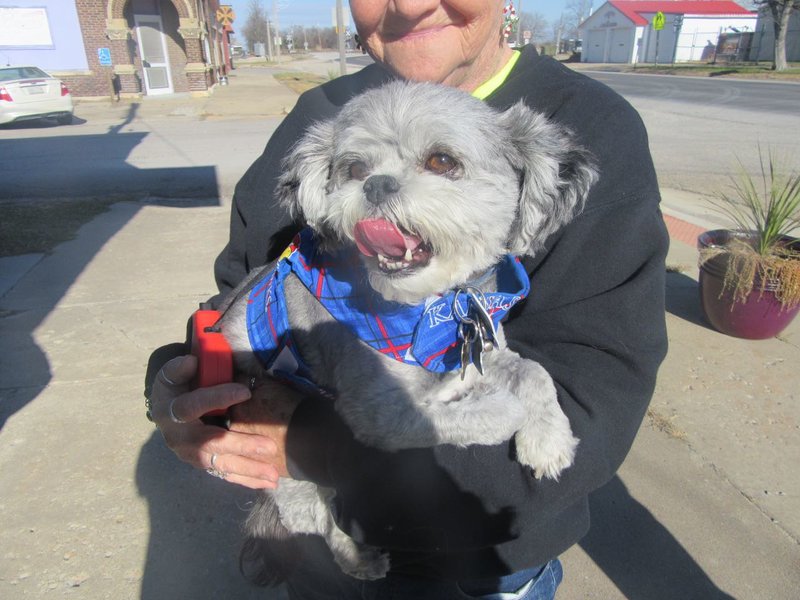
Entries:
{"x":759,"y":96}
{"x":700,"y":129}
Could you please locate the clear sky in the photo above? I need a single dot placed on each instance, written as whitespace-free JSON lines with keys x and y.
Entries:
{"x":310,"y":13}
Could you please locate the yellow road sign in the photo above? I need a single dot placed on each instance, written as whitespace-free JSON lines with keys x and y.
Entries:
{"x":225,"y":15}
{"x":658,"y":21}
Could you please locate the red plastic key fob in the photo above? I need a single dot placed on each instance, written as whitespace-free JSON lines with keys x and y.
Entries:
{"x":214,"y":356}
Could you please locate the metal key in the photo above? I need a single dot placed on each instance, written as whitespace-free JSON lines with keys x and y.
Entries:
{"x":480,"y":313}
{"x":478,"y":348}
{"x":467,"y":331}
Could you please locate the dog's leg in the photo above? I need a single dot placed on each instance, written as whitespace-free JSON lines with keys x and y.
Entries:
{"x":545,"y":441}
{"x":270,"y":552}
{"x":304,"y":508}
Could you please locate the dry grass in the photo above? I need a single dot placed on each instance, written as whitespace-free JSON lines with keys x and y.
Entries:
{"x":748,"y":271}
{"x":738,"y":71}
{"x":761,"y":71}
{"x":300,"y":81}
{"x":36,"y":227}
{"x":664,"y":424}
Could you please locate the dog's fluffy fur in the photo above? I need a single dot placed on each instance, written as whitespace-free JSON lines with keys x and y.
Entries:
{"x":507,"y":181}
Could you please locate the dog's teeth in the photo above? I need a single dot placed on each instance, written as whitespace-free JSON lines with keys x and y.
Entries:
{"x":395,"y":264}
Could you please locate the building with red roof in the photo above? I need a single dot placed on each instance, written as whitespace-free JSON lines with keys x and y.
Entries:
{"x":626,"y":31}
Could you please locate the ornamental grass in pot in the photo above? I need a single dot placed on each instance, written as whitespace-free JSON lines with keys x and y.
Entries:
{"x":750,"y":274}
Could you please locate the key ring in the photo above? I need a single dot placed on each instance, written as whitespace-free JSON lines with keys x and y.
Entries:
{"x":472,"y":293}
{"x":467,"y":331}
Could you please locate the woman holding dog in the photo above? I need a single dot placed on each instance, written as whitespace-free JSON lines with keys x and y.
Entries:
{"x":458,"y":523}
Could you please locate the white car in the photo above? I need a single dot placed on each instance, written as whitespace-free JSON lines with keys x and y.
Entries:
{"x":30,"y":93}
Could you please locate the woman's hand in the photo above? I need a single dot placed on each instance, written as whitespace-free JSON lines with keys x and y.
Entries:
{"x":251,"y":454}
{"x":268,"y":413}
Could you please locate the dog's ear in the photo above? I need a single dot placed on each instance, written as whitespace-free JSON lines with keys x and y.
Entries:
{"x":555,"y":175}
{"x":306,"y":171}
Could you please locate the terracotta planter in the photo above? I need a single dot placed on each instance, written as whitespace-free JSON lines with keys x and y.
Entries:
{"x":759,"y":317}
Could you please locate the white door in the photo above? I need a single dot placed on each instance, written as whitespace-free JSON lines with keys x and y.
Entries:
{"x":594,"y":46}
{"x":620,"y":46}
{"x":153,"y":50}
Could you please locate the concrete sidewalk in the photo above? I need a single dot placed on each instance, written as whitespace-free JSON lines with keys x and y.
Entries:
{"x":251,"y":92}
{"x":94,"y":506}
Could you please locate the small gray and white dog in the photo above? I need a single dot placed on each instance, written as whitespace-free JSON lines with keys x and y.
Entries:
{"x":434,"y":188}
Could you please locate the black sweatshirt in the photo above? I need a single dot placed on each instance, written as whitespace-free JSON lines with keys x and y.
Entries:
{"x":594,"y":320}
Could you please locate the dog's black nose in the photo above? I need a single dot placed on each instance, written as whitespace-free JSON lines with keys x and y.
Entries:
{"x":378,"y":188}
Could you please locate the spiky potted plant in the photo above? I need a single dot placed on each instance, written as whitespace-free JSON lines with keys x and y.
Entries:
{"x":750,"y":274}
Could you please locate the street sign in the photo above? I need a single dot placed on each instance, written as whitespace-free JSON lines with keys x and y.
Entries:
{"x":104,"y":56}
{"x":225,"y":15}
{"x":658,"y":21}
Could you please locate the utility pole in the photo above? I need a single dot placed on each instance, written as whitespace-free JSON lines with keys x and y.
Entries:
{"x":269,"y":36}
{"x":269,"y":41}
{"x":340,"y":31}
{"x":277,"y":30}
{"x":559,"y":33}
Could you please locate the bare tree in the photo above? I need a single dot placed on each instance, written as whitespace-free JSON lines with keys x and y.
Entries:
{"x":255,"y":27}
{"x":781,"y":11}
{"x":575,"y":13}
{"x":558,"y":31}
{"x":533,"y":22}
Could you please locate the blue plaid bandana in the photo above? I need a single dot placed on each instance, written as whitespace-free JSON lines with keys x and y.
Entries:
{"x":425,"y":335}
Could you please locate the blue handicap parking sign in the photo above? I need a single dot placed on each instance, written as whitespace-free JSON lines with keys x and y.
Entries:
{"x":104,"y":54}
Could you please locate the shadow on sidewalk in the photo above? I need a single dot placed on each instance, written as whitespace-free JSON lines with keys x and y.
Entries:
{"x":683,"y":299}
{"x":195,"y":530}
{"x":638,"y":554}
{"x":65,"y":167}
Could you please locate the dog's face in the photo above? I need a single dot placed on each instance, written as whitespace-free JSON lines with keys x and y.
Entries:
{"x":432,"y":185}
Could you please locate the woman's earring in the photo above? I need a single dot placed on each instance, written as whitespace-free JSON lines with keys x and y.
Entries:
{"x":510,"y":19}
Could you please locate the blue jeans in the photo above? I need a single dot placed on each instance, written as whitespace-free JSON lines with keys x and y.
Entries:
{"x":319,"y":578}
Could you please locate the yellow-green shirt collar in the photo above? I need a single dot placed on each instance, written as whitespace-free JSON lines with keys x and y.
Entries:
{"x":486,"y":88}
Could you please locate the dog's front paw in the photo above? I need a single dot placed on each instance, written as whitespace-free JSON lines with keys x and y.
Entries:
{"x":549,"y":449}
{"x":368,"y":564}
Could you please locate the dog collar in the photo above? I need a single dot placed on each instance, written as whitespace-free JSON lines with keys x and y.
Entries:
{"x":426,"y":334}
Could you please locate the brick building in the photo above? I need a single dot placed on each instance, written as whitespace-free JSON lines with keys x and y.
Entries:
{"x":126,"y":47}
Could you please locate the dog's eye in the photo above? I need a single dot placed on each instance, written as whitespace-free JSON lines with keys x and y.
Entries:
{"x":440,"y":163}
{"x":358,"y":170}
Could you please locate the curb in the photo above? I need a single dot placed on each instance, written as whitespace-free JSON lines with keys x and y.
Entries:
{"x":683,"y":231}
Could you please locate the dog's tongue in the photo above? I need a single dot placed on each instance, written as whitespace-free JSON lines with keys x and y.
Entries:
{"x":379,"y":236}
